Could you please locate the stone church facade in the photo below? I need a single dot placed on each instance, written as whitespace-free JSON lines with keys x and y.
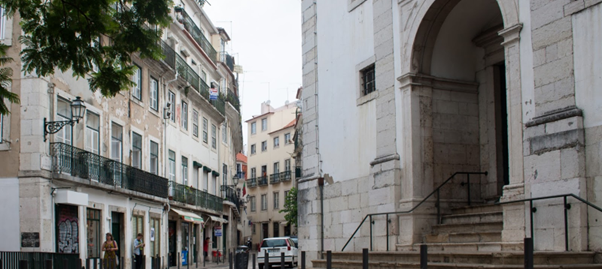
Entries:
{"x":402,"y":94}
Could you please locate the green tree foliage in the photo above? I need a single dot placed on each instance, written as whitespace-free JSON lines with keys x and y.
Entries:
{"x":65,"y":35}
{"x":5,"y":82}
{"x":290,"y":207}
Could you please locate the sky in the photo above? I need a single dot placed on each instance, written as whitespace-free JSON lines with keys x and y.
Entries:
{"x":266,"y":41}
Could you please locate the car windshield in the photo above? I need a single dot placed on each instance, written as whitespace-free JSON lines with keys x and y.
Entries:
{"x":274,"y":243}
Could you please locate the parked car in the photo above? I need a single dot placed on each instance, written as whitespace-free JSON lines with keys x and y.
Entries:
{"x":274,"y":246}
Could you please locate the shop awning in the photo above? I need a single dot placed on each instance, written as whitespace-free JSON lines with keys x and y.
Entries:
{"x":189,"y":216}
{"x":218,"y":219}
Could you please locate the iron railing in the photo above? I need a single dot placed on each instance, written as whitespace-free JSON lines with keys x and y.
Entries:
{"x":437,"y":205}
{"x":252,"y":182}
{"x":275,"y":178}
{"x":188,"y":195}
{"x":262,"y":181}
{"x":228,"y":59}
{"x":286,"y":176}
{"x":39,"y":260}
{"x":233,"y":99}
{"x":198,"y":36}
{"x":280,"y":177}
{"x":220,"y":104}
{"x":87,"y":165}
{"x":232,"y":196}
{"x":170,"y":55}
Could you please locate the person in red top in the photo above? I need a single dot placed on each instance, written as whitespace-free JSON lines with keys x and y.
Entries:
{"x":206,"y":247}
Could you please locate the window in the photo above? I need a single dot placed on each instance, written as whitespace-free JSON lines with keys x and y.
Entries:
{"x":253,"y":203}
{"x":2,"y":24}
{"x":195,"y":123}
{"x":92,"y":132}
{"x":64,"y":113}
{"x":276,"y":141}
{"x":154,"y":94}
{"x":287,"y":138}
{"x":213,"y":136}
{"x":184,"y":170}
{"x":276,"y":167}
{"x":172,"y":108}
{"x":116,"y":142}
{"x":205,"y":129}
{"x":264,"y":124}
{"x":277,"y":230}
{"x":154,"y":158}
{"x":264,"y":145}
{"x":172,"y":166}
{"x":276,"y":200}
{"x":253,"y":127}
{"x":253,"y":149}
{"x":264,"y":202}
{"x":253,"y":172}
{"x":224,"y":133}
{"x":184,"y":115}
{"x":136,"y":150}
{"x":253,"y":228}
{"x":138,"y":225}
{"x":368,"y":83}
{"x":93,"y":229}
{"x":214,"y":185}
{"x":287,"y":165}
{"x":155,"y":233}
{"x":264,"y":170}
{"x":137,"y":78}
{"x":205,"y":182}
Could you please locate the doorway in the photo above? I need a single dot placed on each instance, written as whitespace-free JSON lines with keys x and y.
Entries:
{"x":265,"y":230}
{"x":501,"y":119}
{"x":117,"y":231}
{"x":173,"y":255}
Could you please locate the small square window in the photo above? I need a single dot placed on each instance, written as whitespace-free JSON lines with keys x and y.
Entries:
{"x":368,"y":82}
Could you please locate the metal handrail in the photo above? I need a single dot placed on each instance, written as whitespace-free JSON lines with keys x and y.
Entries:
{"x":416,"y":206}
{"x":567,"y":206}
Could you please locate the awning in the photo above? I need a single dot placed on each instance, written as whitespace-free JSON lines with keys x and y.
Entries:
{"x":196,"y":164}
{"x":218,"y":219}
{"x":189,"y":216}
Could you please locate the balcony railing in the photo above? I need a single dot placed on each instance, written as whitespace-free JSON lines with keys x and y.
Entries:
{"x":188,"y":195}
{"x":232,"y":196}
{"x":198,"y":36}
{"x":184,"y":70}
{"x":233,"y":99}
{"x":286,"y":176}
{"x":262,"y":181}
{"x":252,"y":182}
{"x":226,"y":58}
{"x":93,"y":167}
{"x":39,"y":260}
{"x":275,"y":178}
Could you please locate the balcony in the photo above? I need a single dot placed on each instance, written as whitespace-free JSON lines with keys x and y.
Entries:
{"x":262,"y":181}
{"x":252,"y":182}
{"x":275,"y":178}
{"x":286,"y":176}
{"x":197,"y":34}
{"x":192,"y":196}
{"x":227,"y":59}
{"x":233,"y":100}
{"x":87,"y":165}
{"x":184,"y":70}
{"x":232,"y":196}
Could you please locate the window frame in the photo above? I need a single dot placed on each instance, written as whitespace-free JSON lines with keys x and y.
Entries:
{"x":264,"y":202}
{"x":137,"y":90}
{"x":287,"y":138}
{"x":276,"y":199}
{"x":213,"y":136}
{"x":67,"y":131}
{"x":172,"y":165}
{"x":264,"y":124}
{"x":253,"y":202}
{"x":153,"y":158}
{"x":154,"y":94}
{"x":368,"y":80}
{"x":253,"y":127}
{"x":171,"y":98}
{"x":195,"y":123}
{"x":184,"y":166}
{"x":264,"y":146}
{"x":184,"y":121}
{"x":253,"y":149}
{"x":89,"y":144}
{"x":137,"y":164}
{"x":205,"y":130}
{"x":276,"y":142}
{"x":224,"y":133}
{"x":117,"y":139}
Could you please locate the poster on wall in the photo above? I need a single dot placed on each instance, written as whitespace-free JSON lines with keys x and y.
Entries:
{"x":152,"y":234}
{"x":67,"y":229}
{"x":217,"y":231}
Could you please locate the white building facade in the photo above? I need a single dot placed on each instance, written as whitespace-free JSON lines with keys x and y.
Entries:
{"x":403,"y":94}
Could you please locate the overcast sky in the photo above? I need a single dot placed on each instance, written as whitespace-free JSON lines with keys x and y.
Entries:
{"x":266,"y":42}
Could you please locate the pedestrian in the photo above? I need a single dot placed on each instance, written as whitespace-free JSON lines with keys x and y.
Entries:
{"x":138,"y":250}
{"x":110,"y":248}
{"x":206,"y":248}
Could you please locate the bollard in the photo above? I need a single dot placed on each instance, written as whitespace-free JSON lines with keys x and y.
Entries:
{"x":178,"y":261}
{"x":329,"y":259}
{"x":230,"y":259}
{"x":302,"y":260}
{"x":254,"y":263}
{"x":365,"y":258}
{"x":528,"y":253}
{"x":423,"y":256}
{"x":122,"y":262}
{"x":281,"y":259}
{"x":23,"y":264}
{"x":266,"y":260}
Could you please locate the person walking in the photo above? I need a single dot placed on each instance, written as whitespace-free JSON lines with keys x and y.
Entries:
{"x":138,"y":250}
{"x":110,"y":248}
{"x":206,"y":248}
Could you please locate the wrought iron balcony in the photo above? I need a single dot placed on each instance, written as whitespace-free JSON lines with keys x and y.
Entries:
{"x":232,"y":196}
{"x":197,"y":35}
{"x":87,"y":165}
{"x":262,"y":181}
{"x":275,"y":178}
{"x":188,"y":195}
{"x":233,"y":99}
{"x":227,"y":59}
{"x":286,"y":176}
{"x":252,"y":182}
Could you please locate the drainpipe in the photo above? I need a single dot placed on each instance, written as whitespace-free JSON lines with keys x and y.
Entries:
{"x":321,"y":185}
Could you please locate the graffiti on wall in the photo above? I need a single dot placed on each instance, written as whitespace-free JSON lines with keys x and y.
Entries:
{"x":67,"y":229}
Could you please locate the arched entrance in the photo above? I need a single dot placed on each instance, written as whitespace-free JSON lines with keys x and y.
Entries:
{"x":459,"y":63}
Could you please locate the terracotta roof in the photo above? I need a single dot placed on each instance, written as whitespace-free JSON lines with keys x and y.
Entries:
{"x":255,"y":117}
{"x":241,"y":158}
{"x":289,"y":125}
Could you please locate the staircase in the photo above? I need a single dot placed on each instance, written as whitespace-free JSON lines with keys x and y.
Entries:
{"x":470,"y":237}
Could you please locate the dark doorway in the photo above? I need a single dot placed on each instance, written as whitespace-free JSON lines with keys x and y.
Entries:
{"x":173,"y":256}
{"x":265,"y":230}
{"x":501,"y":122}
{"x":117,"y":231}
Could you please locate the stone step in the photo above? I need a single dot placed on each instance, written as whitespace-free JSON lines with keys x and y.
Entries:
{"x":347,"y":264}
{"x":488,"y":226}
{"x":467,"y":247}
{"x":482,"y":208}
{"x":472,"y":218}
{"x":464,"y":237}
{"x":499,"y":258}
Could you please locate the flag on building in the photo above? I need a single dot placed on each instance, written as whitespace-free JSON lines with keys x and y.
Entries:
{"x":244,"y":189}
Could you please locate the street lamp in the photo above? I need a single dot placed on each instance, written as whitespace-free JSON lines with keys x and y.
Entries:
{"x":77,"y":112}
